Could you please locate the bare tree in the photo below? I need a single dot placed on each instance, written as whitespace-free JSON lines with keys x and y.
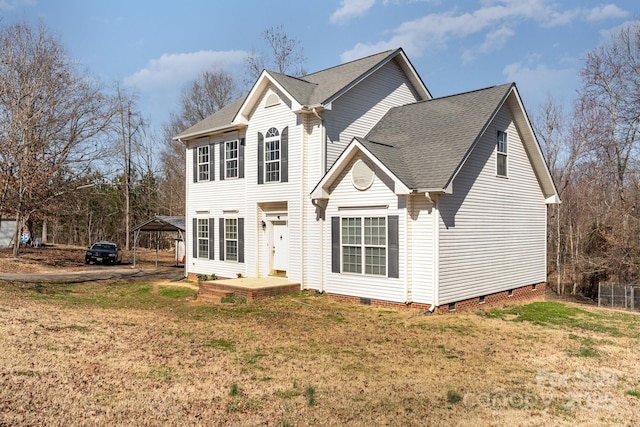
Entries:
{"x":51,"y":118}
{"x":605,"y":187}
{"x":285,"y":55}
{"x":130,"y":130}
{"x":611,"y":87}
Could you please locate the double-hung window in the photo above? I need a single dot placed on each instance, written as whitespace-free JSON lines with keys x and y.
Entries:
{"x":501,"y":154}
{"x":231,"y":239}
{"x":203,"y":163}
{"x":364,"y":245}
{"x":203,"y":237}
{"x":231,"y":159}
{"x":272,"y":155}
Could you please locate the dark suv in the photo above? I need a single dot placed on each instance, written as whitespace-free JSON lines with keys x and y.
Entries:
{"x":104,"y":252}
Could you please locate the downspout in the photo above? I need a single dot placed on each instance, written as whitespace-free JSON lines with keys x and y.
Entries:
{"x":305,"y":139}
{"x":323,"y":166}
{"x":436,"y":253}
{"x":407,"y":214}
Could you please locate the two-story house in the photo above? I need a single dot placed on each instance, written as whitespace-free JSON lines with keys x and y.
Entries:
{"x":355,"y":182}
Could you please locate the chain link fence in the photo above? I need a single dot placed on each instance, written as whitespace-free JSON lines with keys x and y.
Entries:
{"x":614,"y":295}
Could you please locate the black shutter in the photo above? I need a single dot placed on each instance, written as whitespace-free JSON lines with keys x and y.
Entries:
{"x":284,"y":155}
{"x":392,"y":244}
{"x":195,"y":238}
{"x":260,"y":158}
{"x":212,"y":162}
{"x":222,"y":148}
{"x":335,"y":244}
{"x":195,"y":164}
{"x":241,"y":158}
{"x":221,"y":238}
{"x":212,"y":226}
{"x":240,"y":239}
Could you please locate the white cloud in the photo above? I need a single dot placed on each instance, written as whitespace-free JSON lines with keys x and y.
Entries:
{"x":179,"y":68}
{"x":434,"y":31}
{"x":351,"y":9}
{"x":493,"y":41}
{"x":606,"y":12}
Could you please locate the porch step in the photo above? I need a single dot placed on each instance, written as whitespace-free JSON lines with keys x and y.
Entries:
{"x":208,"y":291}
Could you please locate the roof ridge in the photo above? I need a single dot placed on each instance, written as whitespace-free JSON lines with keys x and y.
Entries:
{"x":449,"y":96}
{"x":390,"y":51}
{"x":470,"y":91}
{"x":291,"y":77}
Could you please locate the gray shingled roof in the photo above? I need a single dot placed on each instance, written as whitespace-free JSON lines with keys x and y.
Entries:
{"x":222,"y":117}
{"x":424,"y":143}
{"x":312,"y":89}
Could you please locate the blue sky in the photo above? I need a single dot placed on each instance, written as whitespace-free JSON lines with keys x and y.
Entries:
{"x":158,"y":47}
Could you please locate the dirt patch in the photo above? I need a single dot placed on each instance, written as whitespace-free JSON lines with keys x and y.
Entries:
{"x":71,"y":258}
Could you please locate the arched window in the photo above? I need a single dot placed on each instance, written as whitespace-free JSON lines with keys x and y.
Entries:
{"x":272,"y":155}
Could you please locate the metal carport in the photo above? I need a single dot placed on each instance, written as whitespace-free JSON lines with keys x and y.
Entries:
{"x":159,"y":224}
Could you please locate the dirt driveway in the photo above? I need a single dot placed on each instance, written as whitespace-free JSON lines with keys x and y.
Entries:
{"x":60,"y":264}
{"x":105,"y":273}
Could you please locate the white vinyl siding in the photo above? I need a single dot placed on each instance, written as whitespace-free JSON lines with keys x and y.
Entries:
{"x":358,"y":110}
{"x":288,"y":194}
{"x":492,"y":230}
{"x":213,"y":198}
{"x":379,"y":201}
{"x":421,"y":248}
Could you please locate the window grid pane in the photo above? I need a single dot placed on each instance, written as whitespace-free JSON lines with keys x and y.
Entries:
{"x":203,"y":163}
{"x":373,"y":245}
{"x":502,"y":142}
{"x":203,"y":238}
{"x":502,"y":164}
{"x":231,"y":159}
{"x":231,"y":239}
{"x":272,"y":160}
{"x":352,"y":259}
{"x":375,"y":231}
{"x":375,"y":261}
{"x":351,"y":231}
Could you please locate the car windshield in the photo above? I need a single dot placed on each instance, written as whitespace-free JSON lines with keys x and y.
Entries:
{"x":104,"y":246}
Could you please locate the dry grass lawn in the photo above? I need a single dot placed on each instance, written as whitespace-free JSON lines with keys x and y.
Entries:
{"x":149,"y":354}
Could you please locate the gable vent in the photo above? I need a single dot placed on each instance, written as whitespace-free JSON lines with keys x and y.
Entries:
{"x":362,"y":175}
{"x":271,"y":100}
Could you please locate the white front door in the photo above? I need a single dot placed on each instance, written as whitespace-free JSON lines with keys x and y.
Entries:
{"x":280,"y":246}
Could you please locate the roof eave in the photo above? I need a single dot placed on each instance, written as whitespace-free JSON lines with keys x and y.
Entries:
{"x":241,"y":124}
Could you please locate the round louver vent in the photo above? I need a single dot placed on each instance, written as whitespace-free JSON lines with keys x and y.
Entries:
{"x":362,"y":175}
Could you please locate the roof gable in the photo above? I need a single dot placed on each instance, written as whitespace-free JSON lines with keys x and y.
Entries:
{"x":424,"y":145}
{"x":316,"y":90}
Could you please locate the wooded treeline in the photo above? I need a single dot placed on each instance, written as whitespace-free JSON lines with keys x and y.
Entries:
{"x":78,"y":162}
{"x":592,"y":151}
{"x":78,"y":155}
